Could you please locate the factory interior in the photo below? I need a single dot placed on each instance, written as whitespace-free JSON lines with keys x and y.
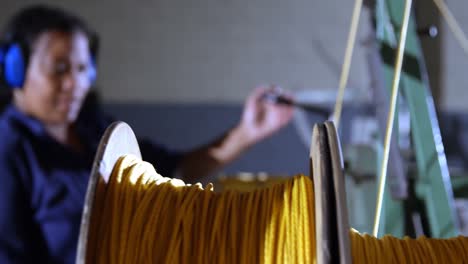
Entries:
{"x":219,"y":131}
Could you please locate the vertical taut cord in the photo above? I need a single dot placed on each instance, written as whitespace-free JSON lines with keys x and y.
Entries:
{"x":453,"y":25}
{"x":391,"y":115}
{"x":347,"y":62}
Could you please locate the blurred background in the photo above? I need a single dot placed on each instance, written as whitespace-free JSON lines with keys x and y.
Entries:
{"x":189,"y":65}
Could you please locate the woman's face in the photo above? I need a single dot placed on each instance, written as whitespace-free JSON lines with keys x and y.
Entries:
{"x":57,"y":79}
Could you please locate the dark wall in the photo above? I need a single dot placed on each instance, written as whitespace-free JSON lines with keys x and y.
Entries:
{"x":184,"y":126}
{"x":187,"y":126}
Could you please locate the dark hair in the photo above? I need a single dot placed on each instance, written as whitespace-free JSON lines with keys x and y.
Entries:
{"x":29,"y":23}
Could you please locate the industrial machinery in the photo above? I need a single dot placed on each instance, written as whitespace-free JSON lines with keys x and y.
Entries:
{"x":419,"y":198}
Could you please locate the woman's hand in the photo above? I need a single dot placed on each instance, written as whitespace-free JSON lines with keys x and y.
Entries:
{"x":261,"y":117}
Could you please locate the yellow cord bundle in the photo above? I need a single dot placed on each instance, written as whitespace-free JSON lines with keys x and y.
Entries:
{"x":388,"y":249}
{"x":142,"y":217}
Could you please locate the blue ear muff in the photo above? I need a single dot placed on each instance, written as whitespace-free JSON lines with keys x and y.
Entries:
{"x":2,"y":57}
{"x":14,"y":66}
{"x":2,"y":63}
{"x":92,"y":71}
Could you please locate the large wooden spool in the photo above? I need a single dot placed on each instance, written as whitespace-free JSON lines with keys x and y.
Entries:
{"x":118,"y":140}
{"x":326,"y":166}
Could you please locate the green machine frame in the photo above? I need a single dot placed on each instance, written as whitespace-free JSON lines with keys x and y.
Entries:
{"x":430,"y":192}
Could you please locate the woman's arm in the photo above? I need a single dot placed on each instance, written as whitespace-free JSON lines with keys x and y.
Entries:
{"x":260,"y":119}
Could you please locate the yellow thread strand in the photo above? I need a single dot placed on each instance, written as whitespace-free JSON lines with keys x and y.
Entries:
{"x":347,"y":61}
{"x":391,"y":116}
{"x":453,"y":24}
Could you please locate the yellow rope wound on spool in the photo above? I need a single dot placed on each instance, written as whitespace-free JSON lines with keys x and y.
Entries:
{"x":143,"y":217}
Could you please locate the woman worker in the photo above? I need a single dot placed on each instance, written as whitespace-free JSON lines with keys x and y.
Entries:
{"x":49,"y":136}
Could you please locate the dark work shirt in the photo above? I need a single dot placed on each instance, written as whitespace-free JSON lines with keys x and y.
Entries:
{"x":43,"y":185}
